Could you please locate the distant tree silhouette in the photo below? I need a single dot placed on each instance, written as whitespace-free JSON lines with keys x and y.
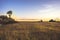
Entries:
{"x":52,"y":20}
{"x":41,"y":20}
{"x":9,"y":13}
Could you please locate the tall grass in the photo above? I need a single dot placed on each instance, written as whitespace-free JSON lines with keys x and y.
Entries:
{"x":30,"y":31}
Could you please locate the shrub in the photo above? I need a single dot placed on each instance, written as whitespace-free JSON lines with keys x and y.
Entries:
{"x":52,"y":20}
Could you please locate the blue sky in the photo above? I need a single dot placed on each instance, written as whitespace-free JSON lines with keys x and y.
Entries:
{"x":33,"y":9}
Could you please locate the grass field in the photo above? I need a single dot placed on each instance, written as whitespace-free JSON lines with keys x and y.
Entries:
{"x":30,"y":31}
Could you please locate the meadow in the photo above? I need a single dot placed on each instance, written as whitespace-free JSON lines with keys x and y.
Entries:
{"x":30,"y":31}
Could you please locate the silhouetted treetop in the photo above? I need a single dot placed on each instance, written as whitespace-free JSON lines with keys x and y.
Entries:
{"x":9,"y":13}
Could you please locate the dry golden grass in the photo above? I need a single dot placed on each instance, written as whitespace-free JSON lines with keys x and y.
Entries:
{"x":30,"y":31}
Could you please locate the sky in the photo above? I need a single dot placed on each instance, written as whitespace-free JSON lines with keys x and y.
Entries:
{"x":31,"y":9}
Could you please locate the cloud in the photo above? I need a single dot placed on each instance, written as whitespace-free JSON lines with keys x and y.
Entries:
{"x":49,"y":11}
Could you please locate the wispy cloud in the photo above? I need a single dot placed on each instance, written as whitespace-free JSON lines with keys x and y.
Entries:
{"x":49,"y":11}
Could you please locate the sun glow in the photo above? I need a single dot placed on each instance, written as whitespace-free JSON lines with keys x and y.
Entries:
{"x":46,"y":13}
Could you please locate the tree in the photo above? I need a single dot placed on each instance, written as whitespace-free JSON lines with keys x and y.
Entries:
{"x":9,"y":13}
{"x":41,"y":20}
{"x":52,"y":20}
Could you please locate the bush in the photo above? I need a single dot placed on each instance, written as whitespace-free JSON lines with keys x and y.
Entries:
{"x":52,"y":20}
{"x":6,"y":20}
